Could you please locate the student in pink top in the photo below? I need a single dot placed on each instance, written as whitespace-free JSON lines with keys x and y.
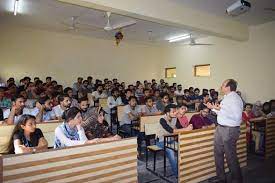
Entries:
{"x":182,"y":118}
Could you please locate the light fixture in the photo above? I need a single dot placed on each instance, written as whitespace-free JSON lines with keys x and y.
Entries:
{"x":179,"y":38}
{"x":16,"y":2}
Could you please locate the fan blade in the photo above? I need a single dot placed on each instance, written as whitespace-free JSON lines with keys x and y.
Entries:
{"x":269,"y":9}
{"x":201,"y":44}
{"x":124,"y":24}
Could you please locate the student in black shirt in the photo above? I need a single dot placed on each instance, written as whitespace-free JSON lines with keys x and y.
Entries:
{"x":26,"y":138}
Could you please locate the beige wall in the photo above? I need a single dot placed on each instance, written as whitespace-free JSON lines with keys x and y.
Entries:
{"x":251,"y":63}
{"x":65,"y":57}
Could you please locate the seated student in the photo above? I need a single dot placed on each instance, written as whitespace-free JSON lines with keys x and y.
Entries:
{"x":5,"y":103}
{"x":179,"y":91}
{"x":139,"y":92}
{"x":88,"y":114}
{"x":179,"y":100}
{"x":266,"y":108}
{"x":205,"y":100}
{"x":187,"y":101}
{"x":44,"y":110}
{"x":169,"y":125}
{"x":132,"y":112}
{"x":100,"y":129}
{"x":76,"y":86}
{"x":128,"y":94}
{"x":145,"y":95}
{"x":114,"y":100}
{"x":156,"y":95}
{"x":257,"y":109}
{"x":96,"y":95}
{"x":26,"y":138}
{"x":70,"y":133}
{"x":64,"y":104}
{"x":149,"y":108}
{"x":11,"y":116}
{"x":69,"y":91}
{"x":182,"y":118}
{"x":163,"y":102}
{"x":201,"y":120}
{"x":272,"y":109}
{"x":29,"y":103}
{"x":247,"y":117}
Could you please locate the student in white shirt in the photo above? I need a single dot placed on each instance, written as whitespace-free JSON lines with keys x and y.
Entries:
{"x":96,"y":95}
{"x":179,"y":91}
{"x":112,"y":103}
{"x":44,"y":110}
{"x":70,"y":133}
{"x":11,"y":116}
{"x":64,"y":104}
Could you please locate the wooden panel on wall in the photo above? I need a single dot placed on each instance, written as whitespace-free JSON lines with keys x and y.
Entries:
{"x":270,"y":138}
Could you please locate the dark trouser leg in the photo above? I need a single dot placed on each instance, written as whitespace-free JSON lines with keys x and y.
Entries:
{"x":230,"y":148}
{"x":219,"y":154}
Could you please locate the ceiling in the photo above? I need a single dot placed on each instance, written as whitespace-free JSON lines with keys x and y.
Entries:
{"x":256,"y":15}
{"x":52,"y":15}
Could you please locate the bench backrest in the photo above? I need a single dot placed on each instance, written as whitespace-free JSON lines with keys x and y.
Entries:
{"x":196,"y":154}
{"x":103,"y":103}
{"x":47,"y":128}
{"x":106,"y":162}
{"x":120,"y":111}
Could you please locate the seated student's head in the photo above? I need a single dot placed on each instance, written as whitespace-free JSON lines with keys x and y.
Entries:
{"x":267,"y":107}
{"x":48,"y":79}
{"x":156,"y":93}
{"x":2,"y":93}
{"x":54,"y":83}
{"x":179,"y":87}
{"x":211,"y":91}
{"x":172,"y":89}
{"x":132,"y":101}
{"x":165,"y":98}
{"x":90,"y":79}
{"x":64,"y":101}
{"x":35,"y":79}
{"x":83,"y":104}
{"x":206,"y":98}
{"x":85,"y":83}
{"x":18,"y":102}
{"x":248,"y":107}
{"x":115,"y":80}
{"x":27,"y":79}
{"x":26,"y":124}
{"x":79,"y":80}
{"x":69,"y":91}
{"x":186,"y":92}
{"x":197,"y":91}
{"x":99,"y":88}
{"x":149,"y":101}
{"x":59,"y":89}
{"x":47,"y":102}
{"x":182,"y":109}
{"x":115,"y":92}
{"x":204,"y":91}
{"x":179,"y":100}
{"x":191,"y":89}
{"x":146,"y":93}
{"x":100,"y":116}
{"x":171,"y":110}
{"x":204,"y":111}
{"x":128,"y":93}
{"x":72,"y":116}
{"x":215,"y":95}
{"x":257,"y":106}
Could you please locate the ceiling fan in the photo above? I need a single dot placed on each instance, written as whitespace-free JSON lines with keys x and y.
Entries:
{"x":110,"y":27}
{"x":194,"y":43}
{"x":72,"y":25}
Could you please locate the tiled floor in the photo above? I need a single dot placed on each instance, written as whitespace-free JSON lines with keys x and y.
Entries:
{"x":258,"y":170}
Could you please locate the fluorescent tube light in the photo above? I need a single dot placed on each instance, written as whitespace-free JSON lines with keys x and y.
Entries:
{"x":16,"y":2}
{"x":179,"y":38}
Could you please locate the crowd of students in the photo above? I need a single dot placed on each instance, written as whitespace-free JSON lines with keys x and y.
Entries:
{"x":84,"y":122}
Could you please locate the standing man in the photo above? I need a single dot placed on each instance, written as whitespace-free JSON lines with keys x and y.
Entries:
{"x":229,"y":116}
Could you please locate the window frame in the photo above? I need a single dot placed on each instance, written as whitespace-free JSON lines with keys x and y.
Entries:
{"x":201,"y":65}
{"x":170,"y":68}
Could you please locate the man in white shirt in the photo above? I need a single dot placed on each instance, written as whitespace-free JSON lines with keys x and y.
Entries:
{"x":64,"y":104}
{"x":96,"y":95}
{"x":112,"y":103}
{"x":229,"y":116}
{"x":179,"y":91}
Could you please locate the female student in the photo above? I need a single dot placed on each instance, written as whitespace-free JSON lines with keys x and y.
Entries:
{"x":99,"y":129}
{"x":26,"y":138}
{"x":70,"y":133}
{"x":182,"y":118}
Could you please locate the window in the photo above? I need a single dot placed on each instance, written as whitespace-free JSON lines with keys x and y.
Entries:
{"x":170,"y":72}
{"x":202,"y":70}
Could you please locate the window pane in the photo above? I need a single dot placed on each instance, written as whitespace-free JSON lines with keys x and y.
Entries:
{"x":202,"y":70}
{"x":170,"y":72}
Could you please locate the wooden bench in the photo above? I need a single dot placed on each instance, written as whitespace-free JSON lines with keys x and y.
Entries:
{"x":104,"y":162}
{"x":47,"y":128}
{"x":270,"y":137}
{"x":196,"y":154}
{"x":103,"y":103}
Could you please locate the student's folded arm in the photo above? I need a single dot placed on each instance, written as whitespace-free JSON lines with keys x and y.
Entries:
{"x":42,"y":144}
{"x":18,"y":148}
